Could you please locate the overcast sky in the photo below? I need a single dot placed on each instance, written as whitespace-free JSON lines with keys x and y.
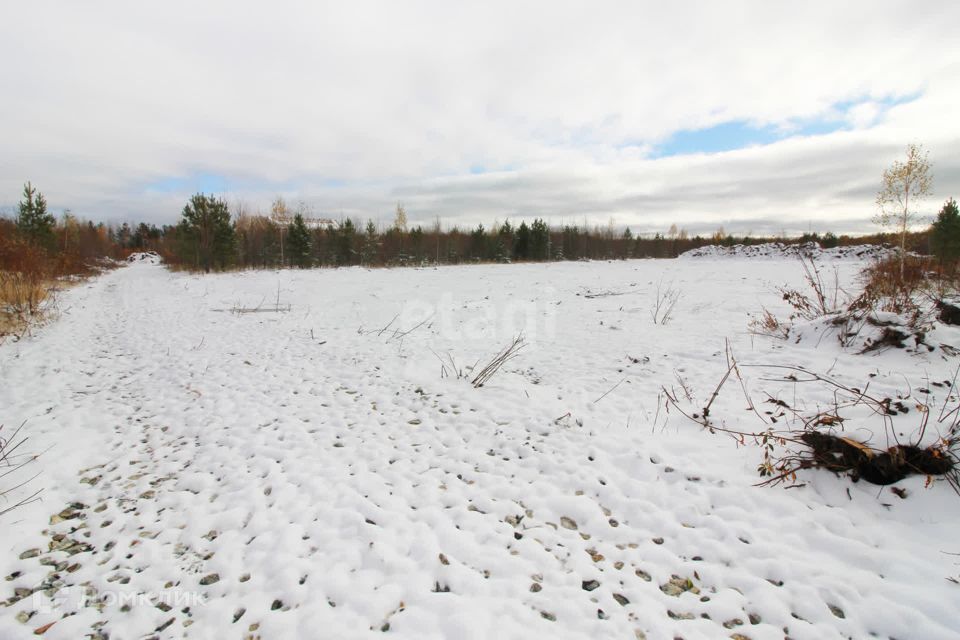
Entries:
{"x":760,"y":116}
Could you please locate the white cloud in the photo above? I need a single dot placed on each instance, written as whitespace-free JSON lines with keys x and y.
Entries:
{"x":401,"y":100}
{"x":863,"y":115}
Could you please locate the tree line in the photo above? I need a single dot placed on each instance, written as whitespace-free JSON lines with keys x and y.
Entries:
{"x":36,"y":241}
{"x":209,"y":236}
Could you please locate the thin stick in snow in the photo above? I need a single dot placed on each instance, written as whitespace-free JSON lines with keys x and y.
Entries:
{"x":508,"y":353}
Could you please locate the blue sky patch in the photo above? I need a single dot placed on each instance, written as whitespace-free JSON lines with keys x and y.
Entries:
{"x":215,"y":184}
{"x":208,"y":183}
{"x":739,"y":134}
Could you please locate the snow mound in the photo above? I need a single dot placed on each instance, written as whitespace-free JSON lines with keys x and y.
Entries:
{"x":781,"y":250}
{"x":146,"y":257}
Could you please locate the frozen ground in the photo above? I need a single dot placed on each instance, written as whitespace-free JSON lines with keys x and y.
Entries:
{"x":294,"y":472}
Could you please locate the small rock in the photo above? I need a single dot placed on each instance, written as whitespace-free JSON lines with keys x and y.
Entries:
{"x":239,"y":614}
{"x":278,"y":604}
{"x":837,"y":611}
{"x":535,"y":588}
{"x":29,"y":553}
{"x":589,"y":585}
{"x":621,"y":599}
{"x":681,"y":616}
{"x":546,"y":615}
{"x":754,"y":618}
{"x":677,"y":585}
{"x":568,"y":523}
{"x":207,"y":580}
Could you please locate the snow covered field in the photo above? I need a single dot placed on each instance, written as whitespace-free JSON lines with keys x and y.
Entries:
{"x":280,"y":455}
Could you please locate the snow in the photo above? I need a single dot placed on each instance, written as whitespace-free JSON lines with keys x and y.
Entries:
{"x":308,"y":470}
{"x":151,"y":257}
{"x":779,"y":250}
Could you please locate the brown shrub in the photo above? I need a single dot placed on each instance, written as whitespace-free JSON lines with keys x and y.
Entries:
{"x":885,"y":290}
{"x":767,"y":324}
{"x":24,"y":285}
{"x":823,"y":294}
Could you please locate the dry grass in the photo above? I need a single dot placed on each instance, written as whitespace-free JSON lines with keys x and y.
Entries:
{"x":508,"y":353}
{"x":793,"y":439}
{"x":767,"y":324}
{"x":12,"y":460}
{"x":885,"y":290}
{"x":29,"y":279}
{"x":916,"y":295}
{"x":25,"y":299}
{"x":823,"y":294}
{"x":665,"y":299}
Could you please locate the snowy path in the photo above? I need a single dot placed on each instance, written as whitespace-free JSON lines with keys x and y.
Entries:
{"x":279,"y":475}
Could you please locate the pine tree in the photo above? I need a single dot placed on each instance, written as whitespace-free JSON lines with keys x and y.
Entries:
{"x":945,"y":233}
{"x":571,"y":240}
{"x":521,"y":244}
{"x":33,"y":221}
{"x":346,"y":232}
{"x":539,"y":240}
{"x":627,"y":243}
{"x":503,"y":251}
{"x":371,"y":244}
{"x":298,"y":241}
{"x":478,"y":243}
{"x":205,"y":233}
{"x":416,"y":243}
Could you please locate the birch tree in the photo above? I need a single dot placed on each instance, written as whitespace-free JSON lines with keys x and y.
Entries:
{"x":903,"y":186}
